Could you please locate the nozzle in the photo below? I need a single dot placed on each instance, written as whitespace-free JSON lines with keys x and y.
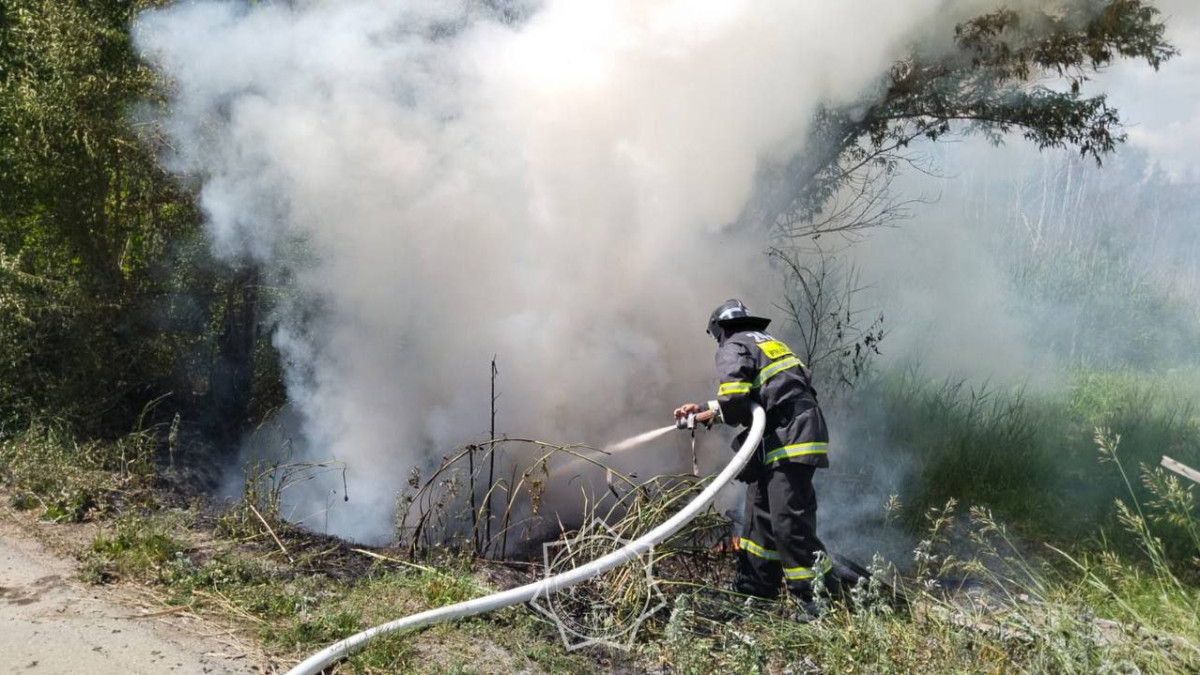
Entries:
{"x":686,"y":423}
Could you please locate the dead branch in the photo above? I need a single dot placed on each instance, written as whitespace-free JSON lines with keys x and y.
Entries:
{"x":406,"y":563}
{"x":271,"y":532}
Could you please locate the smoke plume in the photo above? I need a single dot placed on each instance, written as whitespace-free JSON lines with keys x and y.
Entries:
{"x":429,"y":184}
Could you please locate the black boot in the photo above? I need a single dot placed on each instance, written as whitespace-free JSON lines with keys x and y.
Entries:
{"x":808,"y":611}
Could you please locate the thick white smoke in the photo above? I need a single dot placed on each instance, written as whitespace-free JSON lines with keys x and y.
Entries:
{"x":434,"y":185}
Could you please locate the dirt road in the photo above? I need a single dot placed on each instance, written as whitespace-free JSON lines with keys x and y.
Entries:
{"x":51,"y":623}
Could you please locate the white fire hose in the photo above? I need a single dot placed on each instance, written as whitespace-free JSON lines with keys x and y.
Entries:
{"x":314,"y":664}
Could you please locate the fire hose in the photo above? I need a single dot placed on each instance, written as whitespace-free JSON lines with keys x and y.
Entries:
{"x":340,"y":650}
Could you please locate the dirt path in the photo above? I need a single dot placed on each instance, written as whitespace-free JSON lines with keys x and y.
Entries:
{"x":51,"y":623}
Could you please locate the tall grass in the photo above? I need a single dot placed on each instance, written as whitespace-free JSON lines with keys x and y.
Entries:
{"x":1029,"y":456}
{"x":47,"y":468}
{"x":980,"y":601}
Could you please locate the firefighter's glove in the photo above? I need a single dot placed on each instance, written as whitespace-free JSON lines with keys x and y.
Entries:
{"x":706,"y":414}
{"x":688,"y":409}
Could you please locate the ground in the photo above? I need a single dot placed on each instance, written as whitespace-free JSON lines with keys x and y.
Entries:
{"x":52,"y":623}
{"x":174,"y":583}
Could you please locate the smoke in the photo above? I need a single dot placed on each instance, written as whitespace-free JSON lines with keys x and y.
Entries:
{"x":1029,"y":264}
{"x":429,"y":184}
{"x":963,"y":280}
{"x":1022,"y":267}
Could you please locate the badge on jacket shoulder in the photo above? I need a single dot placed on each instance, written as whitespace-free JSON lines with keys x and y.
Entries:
{"x":771,"y":347}
{"x":775,"y":349}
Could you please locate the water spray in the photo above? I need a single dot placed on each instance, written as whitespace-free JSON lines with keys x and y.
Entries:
{"x":542,"y":589}
{"x":634,"y":441}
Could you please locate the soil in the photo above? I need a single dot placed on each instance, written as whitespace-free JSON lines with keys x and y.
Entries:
{"x":52,"y":623}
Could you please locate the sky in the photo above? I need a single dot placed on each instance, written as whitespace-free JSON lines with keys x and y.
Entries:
{"x":1163,"y":108}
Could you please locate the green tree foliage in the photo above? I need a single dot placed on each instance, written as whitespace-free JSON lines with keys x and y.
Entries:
{"x":107,"y":297}
{"x":1010,"y":71}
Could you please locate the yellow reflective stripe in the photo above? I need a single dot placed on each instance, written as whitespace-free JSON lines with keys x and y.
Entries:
{"x":797,"y":450}
{"x":774,"y":369}
{"x":737,"y":388}
{"x":751,"y":547}
{"x":807,"y":572}
{"x":733,"y":388}
{"x":799,"y":573}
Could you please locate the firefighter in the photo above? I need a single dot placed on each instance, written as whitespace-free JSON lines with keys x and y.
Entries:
{"x":779,"y":543}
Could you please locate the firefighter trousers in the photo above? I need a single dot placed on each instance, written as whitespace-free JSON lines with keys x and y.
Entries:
{"x":779,"y":542}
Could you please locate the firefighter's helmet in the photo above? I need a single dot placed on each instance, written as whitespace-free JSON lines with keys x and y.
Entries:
{"x":734,"y":314}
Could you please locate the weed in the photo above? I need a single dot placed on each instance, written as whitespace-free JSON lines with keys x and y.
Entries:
{"x":318,"y":629}
{"x":72,"y":481}
{"x":137,"y":547}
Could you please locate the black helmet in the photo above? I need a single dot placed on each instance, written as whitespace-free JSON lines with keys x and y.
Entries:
{"x":734,"y":313}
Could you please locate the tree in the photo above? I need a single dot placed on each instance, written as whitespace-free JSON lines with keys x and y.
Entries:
{"x":992,"y":81}
{"x":109,"y":298}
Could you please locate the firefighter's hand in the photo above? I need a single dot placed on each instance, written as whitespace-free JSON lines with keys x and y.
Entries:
{"x":687,"y":409}
{"x":706,"y":417}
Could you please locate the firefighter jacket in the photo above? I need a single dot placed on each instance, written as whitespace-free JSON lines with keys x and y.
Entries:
{"x":753,"y":366}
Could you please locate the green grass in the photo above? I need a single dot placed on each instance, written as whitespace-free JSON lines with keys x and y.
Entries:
{"x":136,"y":547}
{"x":1115,"y":589}
{"x":504,"y":642}
{"x":1027,"y":456}
{"x":47,"y":469}
{"x":294,"y":611}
